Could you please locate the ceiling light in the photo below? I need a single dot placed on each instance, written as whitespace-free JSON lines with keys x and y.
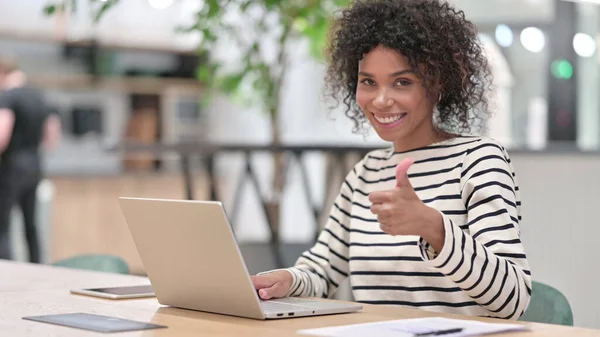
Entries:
{"x":584,"y":45}
{"x":533,"y":39}
{"x":504,"y":35}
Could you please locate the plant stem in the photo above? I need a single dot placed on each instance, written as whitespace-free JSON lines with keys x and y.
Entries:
{"x":278,"y":160}
{"x":278,"y":180}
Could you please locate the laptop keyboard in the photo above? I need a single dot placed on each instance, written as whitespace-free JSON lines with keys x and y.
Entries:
{"x":289,"y":304}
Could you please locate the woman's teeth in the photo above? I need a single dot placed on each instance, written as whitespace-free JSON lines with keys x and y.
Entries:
{"x":389,"y":120}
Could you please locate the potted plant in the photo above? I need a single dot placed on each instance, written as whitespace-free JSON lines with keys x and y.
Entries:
{"x":258,"y":78}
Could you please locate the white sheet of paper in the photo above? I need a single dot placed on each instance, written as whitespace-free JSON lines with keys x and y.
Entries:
{"x":410,"y":327}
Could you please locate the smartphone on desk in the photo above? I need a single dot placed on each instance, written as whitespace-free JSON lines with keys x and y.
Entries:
{"x":117,"y":293}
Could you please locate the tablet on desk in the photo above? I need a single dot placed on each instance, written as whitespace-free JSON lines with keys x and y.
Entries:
{"x":117,"y":293}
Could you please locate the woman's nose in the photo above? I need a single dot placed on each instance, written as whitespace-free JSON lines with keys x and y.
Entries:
{"x":383,"y":100}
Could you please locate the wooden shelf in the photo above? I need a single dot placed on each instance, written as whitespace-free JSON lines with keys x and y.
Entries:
{"x":134,"y":85}
{"x":86,"y":82}
{"x":48,"y":38}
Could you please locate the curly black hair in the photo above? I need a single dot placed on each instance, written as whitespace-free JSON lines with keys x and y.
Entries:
{"x":441,"y":46}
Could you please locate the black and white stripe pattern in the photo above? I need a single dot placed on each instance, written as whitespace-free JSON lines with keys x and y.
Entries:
{"x":482,"y":269}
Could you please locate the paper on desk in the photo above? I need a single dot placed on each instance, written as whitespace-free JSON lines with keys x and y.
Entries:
{"x":410,"y":327}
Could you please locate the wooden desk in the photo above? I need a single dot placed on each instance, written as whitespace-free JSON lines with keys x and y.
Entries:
{"x":27,"y":290}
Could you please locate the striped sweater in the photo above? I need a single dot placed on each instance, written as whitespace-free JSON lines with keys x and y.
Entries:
{"x":482,"y":269}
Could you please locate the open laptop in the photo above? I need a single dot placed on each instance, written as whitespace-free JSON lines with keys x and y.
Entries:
{"x":193,"y":262}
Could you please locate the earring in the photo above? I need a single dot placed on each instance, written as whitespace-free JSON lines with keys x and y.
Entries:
{"x":439,"y":97}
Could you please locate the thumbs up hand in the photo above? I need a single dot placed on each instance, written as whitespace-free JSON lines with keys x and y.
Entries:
{"x":400,"y":211}
{"x":402,"y":173}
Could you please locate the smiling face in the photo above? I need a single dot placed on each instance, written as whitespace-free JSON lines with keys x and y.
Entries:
{"x":394,"y":101}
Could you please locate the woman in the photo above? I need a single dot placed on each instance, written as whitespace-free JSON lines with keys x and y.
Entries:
{"x":433,"y":222}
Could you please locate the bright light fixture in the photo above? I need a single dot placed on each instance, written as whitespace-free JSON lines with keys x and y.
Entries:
{"x":584,"y":45}
{"x":504,"y":35}
{"x":533,"y":39}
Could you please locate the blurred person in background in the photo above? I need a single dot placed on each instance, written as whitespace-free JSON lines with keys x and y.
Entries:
{"x":26,"y":124}
{"x":434,"y":221}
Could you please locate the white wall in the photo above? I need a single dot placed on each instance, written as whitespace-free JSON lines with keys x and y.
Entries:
{"x":588,"y":103}
{"x":560,"y":226}
{"x":507,"y":11}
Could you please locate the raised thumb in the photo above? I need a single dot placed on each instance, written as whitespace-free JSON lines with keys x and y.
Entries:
{"x":401,"y":172}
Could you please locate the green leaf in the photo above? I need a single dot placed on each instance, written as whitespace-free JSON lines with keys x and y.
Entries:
{"x":49,"y":9}
{"x":244,"y":6}
{"x":206,"y":99}
{"x":203,"y":73}
{"x":186,"y":29}
{"x":208,"y":35}
{"x":206,"y":72}
{"x":230,"y":83}
{"x":103,"y":9}
{"x":317,"y":35}
{"x":341,"y":3}
{"x":61,"y":6}
{"x":213,"y":8}
{"x":270,"y":4}
{"x":300,"y":24}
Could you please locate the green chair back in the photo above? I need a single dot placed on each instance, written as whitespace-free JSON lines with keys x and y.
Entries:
{"x":95,"y":262}
{"x":548,"y":305}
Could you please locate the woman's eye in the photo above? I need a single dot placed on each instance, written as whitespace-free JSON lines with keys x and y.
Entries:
{"x":402,"y":82}
{"x":367,"y":81}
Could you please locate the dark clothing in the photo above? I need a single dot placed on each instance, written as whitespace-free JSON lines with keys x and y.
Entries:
{"x":30,"y":114}
{"x":20,"y":165}
{"x":19,"y":178}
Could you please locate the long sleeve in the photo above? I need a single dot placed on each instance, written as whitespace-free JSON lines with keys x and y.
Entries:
{"x":485,"y":256}
{"x":319,"y":271}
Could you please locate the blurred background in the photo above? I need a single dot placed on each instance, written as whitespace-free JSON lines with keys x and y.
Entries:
{"x":208,"y":99}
